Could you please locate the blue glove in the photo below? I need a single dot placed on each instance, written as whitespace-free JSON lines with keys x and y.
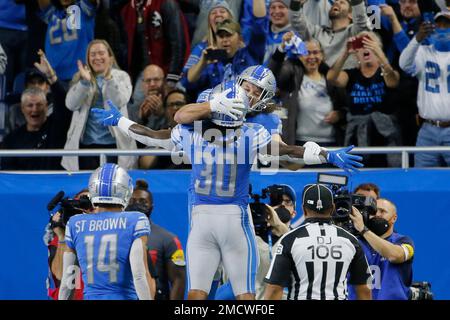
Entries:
{"x":342,"y":159}
{"x":109,"y":117}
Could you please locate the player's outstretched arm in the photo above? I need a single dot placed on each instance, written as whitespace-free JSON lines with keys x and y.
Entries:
{"x":143,"y":281}
{"x":147,"y":136}
{"x":66,"y":288}
{"x":313,"y":154}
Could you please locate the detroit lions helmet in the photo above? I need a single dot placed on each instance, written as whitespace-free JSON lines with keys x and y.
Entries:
{"x":263,"y":78}
{"x":110,"y":184}
{"x":236,"y":93}
{"x":204,"y":96}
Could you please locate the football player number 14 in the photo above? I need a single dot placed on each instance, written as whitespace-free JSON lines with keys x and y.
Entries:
{"x":432,"y":76}
{"x":108,"y":248}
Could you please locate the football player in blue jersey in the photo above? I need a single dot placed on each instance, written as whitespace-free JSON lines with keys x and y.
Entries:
{"x":110,"y":245}
{"x":222,"y":151}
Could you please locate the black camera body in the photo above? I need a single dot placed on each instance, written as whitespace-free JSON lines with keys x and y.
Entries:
{"x":344,"y":200}
{"x":260,"y":211}
{"x":67,"y":207}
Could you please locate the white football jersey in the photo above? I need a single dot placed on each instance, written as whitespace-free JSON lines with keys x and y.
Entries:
{"x":432,"y":68}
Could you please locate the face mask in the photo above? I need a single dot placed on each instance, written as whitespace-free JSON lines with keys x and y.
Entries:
{"x":379,"y":226}
{"x":440,"y":39}
{"x":139,"y":207}
{"x":283,"y":214}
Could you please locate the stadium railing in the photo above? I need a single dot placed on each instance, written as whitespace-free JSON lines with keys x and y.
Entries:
{"x":404,"y":151}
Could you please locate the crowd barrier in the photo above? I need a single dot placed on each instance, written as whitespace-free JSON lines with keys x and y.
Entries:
{"x":422,"y":197}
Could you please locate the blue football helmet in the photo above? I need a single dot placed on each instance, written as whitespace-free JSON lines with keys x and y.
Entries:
{"x":110,"y":184}
{"x":236,"y":93}
{"x":263,"y":78}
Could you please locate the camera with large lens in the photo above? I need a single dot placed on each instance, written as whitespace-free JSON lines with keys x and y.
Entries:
{"x":344,"y":201}
{"x":421,"y":291}
{"x":260,"y":211}
{"x":67,"y":207}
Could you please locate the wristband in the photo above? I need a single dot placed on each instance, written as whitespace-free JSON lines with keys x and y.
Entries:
{"x":62,"y":242}
{"x":363,"y":231}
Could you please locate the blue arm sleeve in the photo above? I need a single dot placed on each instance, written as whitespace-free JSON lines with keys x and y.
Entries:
{"x":401,"y":40}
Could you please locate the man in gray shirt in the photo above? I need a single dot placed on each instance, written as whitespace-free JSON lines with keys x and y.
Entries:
{"x":348,"y":18}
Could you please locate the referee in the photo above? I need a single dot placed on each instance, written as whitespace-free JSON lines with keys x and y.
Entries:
{"x":314,"y":259}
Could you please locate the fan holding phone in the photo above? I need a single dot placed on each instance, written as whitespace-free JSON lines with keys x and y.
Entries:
{"x":370,"y":89}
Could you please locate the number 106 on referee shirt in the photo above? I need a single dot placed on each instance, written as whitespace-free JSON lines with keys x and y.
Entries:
{"x":324,"y":249}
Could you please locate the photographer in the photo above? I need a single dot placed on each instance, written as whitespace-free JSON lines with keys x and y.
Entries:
{"x":389,"y":253}
{"x":317,"y":256}
{"x":54,"y":239}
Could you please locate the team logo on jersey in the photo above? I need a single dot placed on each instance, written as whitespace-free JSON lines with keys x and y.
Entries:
{"x":178,"y":258}
{"x":156,"y":19}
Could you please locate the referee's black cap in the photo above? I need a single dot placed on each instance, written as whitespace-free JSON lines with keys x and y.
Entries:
{"x":317,"y":197}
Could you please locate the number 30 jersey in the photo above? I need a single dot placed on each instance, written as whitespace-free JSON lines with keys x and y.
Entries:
{"x":221,"y":160}
{"x":102,"y":242}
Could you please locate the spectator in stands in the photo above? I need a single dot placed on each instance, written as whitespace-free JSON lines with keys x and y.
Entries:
{"x":369,"y":90}
{"x":164,"y":248}
{"x":13,"y":39}
{"x":107,"y":29}
{"x":156,"y":34}
{"x":208,"y":73}
{"x":40,"y":131}
{"x":279,"y":25}
{"x":66,"y":41}
{"x":33,"y":79}
{"x":368,"y":190}
{"x":95,"y":83}
{"x":3,"y":60}
{"x":429,"y":63}
{"x":147,"y":107}
{"x":218,"y":12}
{"x":315,"y":106}
{"x":209,"y":16}
{"x":173,"y":101}
{"x":388,"y":253}
{"x":396,"y":36}
{"x":348,"y":18}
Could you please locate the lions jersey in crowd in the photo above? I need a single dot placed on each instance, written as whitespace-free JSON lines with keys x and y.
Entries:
{"x":68,"y":36}
{"x":102,"y":242}
{"x":221,"y":167}
{"x":432,"y":68}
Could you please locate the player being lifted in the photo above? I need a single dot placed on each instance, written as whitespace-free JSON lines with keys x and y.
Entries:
{"x":221,"y":227}
{"x":110,"y":244}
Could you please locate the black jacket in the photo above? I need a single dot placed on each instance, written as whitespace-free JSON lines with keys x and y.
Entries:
{"x":52,"y":135}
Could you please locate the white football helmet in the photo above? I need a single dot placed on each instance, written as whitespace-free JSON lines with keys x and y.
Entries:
{"x":263,"y":78}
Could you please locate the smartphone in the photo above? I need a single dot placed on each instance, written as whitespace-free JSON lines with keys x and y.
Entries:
{"x":358,"y":42}
{"x":216,"y":54}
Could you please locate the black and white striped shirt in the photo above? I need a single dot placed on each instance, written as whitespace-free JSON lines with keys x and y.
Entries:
{"x":313,"y":261}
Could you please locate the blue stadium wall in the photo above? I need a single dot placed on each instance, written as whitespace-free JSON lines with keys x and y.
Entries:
{"x":422,"y":198}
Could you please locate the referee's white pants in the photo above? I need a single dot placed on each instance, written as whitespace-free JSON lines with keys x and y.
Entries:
{"x":222,"y":233}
